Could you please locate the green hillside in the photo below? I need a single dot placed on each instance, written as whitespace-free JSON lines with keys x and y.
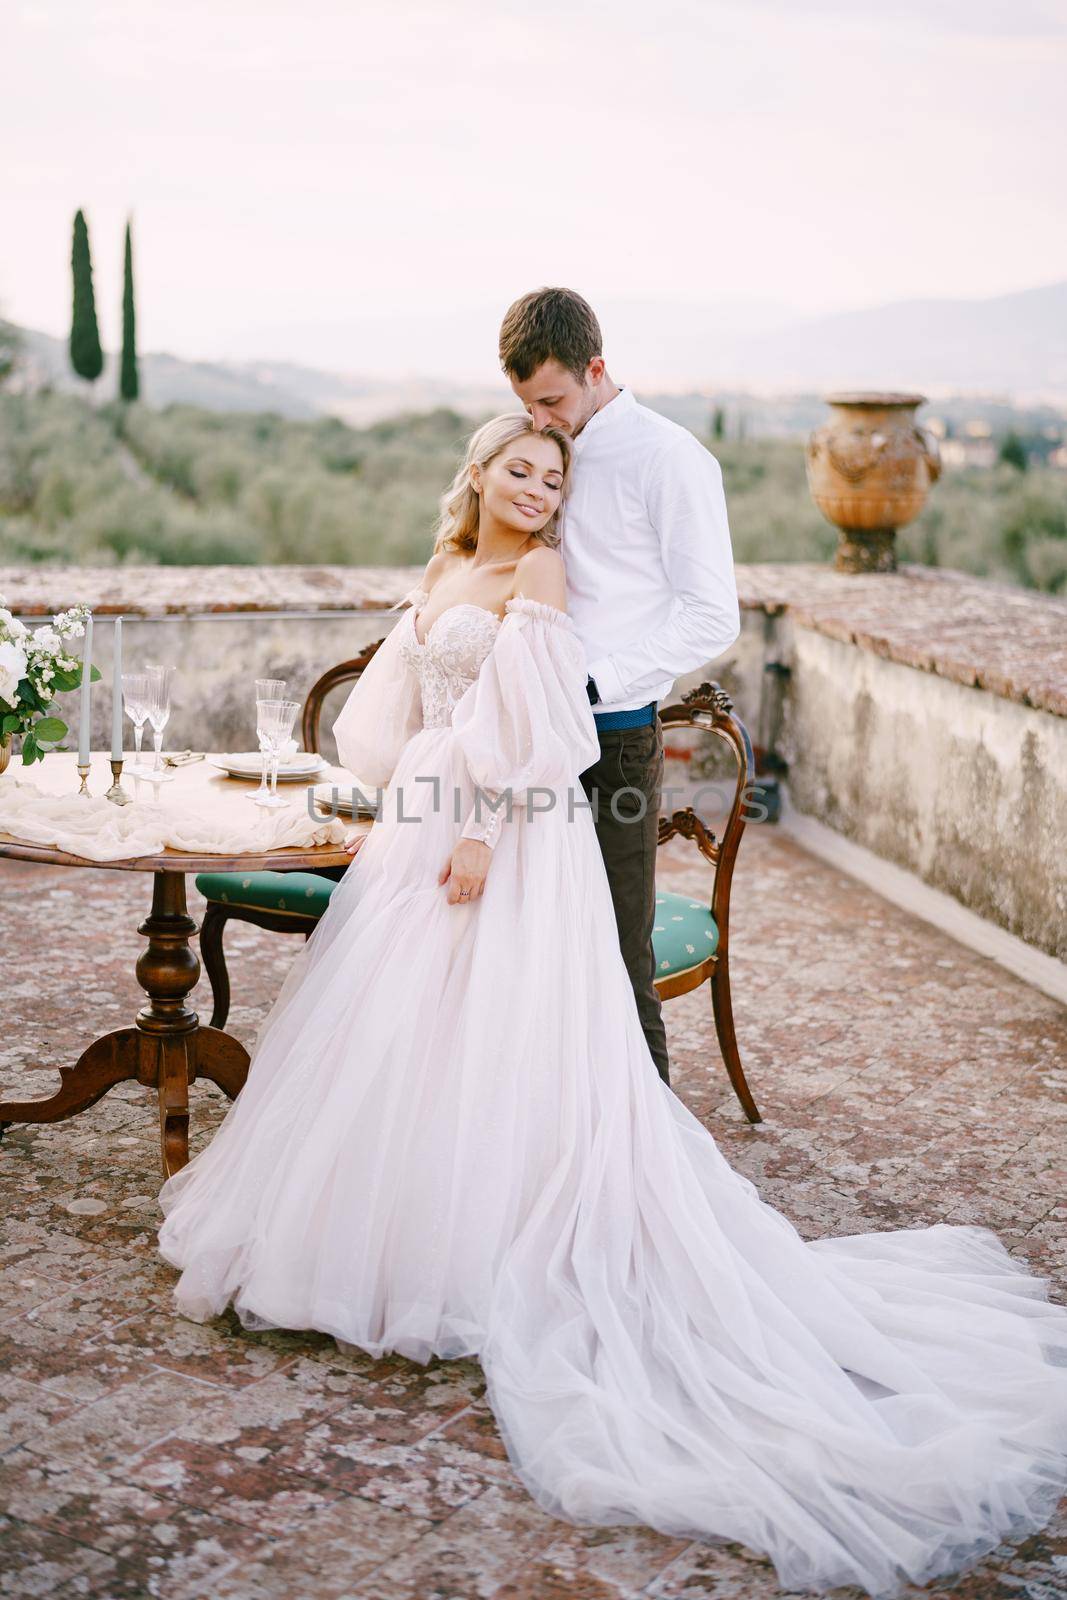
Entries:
{"x":184,"y":485}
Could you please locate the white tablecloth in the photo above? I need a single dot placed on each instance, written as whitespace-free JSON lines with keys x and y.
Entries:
{"x":222,"y":824}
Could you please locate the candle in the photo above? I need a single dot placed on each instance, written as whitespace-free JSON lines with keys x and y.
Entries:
{"x":116,"y":695}
{"x":87,"y":665}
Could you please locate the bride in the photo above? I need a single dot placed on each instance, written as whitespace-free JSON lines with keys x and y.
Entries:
{"x":453,"y":1141}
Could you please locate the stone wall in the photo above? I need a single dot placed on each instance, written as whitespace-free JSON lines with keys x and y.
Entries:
{"x":925,"y":712}
{"x":218,"y":657}
{"x":961,"y":786}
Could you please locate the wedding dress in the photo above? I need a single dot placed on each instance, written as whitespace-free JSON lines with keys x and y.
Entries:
{"x":453,"y":1142}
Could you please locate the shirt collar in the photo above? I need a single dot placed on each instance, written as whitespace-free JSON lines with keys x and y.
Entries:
{"x":606,"y":417}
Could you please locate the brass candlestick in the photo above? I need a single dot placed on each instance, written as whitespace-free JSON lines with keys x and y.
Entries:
{"x":117,"y":794}
{"x":83,"y":774}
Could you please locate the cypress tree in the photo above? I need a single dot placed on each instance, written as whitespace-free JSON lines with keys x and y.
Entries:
{"x":1013,"y":451}
{"x":86,"y":357}
{"x":128,"y":385}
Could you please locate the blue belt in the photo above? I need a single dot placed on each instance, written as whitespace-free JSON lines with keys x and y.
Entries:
{"x":638,"y":718}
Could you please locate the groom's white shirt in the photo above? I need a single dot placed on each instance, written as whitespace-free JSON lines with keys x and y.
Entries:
{"x":647,"y":553}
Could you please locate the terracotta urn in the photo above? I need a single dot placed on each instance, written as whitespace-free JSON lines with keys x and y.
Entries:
{"x":869,"y":471}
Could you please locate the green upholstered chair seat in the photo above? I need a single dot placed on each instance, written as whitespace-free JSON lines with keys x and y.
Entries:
{"x":300,"y":894}
{"x":684,"y":933}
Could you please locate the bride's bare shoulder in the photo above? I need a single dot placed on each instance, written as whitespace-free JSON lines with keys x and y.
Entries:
{"x":440,"y":562}
{"x":540,"y":575}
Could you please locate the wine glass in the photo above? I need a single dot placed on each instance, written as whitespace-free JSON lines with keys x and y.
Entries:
{"x":135,"y":703}
{"x":266,"y":689}
{"x":159,"y":682}
{"x":276,"y":718}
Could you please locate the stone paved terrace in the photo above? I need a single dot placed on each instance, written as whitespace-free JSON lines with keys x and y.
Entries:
{"x":905,"y":1080}
{"x":1008,"y":640}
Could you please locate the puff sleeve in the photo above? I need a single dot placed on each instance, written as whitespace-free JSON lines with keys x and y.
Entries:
{"x":384,"y":709}
{"x":525,"y":723}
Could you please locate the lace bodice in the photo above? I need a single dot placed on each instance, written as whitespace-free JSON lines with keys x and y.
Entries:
{"x":510,"y":690}
{"x":450,"y":658}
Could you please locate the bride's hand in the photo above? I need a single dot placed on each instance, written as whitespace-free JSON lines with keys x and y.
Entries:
{"x":355,"y":844}
{"x":465,"y":871}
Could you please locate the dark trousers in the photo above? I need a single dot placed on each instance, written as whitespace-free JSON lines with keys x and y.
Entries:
{"x":630,"y":772}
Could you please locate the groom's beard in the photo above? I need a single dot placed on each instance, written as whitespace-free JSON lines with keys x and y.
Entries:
{"x":591,"y":412}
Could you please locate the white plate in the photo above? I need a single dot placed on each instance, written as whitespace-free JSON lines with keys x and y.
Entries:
{"x":249,"y":764}
{"x":342,"y":806}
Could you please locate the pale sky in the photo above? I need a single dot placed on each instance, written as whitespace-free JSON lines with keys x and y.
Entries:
{"x":351,"y":184}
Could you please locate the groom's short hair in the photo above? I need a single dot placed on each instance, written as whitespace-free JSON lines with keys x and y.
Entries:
{"x":549,"y":325}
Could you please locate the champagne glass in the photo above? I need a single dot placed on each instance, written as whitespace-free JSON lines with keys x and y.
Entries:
{"x":159,"y":682}
{"x":266,"y":689}
{"x":276,"y":720}
{"x":135,"y":702}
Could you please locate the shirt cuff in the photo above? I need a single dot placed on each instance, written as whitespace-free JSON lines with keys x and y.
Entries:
{"x":483,"y":824}
{"x":605,"y":675}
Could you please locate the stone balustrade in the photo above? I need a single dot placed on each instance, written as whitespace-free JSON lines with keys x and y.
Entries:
{"x":924,"y":713}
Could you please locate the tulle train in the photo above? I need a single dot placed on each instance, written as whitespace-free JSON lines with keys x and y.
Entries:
{"x":453,"y":1142}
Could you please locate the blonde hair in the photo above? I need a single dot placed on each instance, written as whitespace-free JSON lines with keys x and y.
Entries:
{"x":457,"y":519}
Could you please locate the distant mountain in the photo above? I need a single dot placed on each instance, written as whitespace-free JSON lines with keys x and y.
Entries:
{"x":217,"y":386}
{"x":1015,"y":344}
{"x":656,"y":342}
{"x":1012,"y":346}
{"x":294,"y":391}
{"x":360,"y":400}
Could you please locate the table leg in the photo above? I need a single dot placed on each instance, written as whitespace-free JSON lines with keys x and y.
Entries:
{"x":166,"y":1050}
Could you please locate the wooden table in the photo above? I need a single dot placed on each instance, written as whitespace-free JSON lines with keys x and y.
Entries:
{"x":167,"y":1047}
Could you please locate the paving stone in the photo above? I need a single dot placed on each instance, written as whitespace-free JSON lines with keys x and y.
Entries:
{"x":26,"y":1409}
{"x":333,"y":1558}
{"x":39,"y":1562}
{"x":470,"y":1554}
{"x":157,"y":1338}
{"x":276,"y":1464}
{"x":259,"y":1493}
{"x":147,"y":1538}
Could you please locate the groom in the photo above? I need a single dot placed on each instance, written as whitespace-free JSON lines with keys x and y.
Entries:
{"x":650,"y":586}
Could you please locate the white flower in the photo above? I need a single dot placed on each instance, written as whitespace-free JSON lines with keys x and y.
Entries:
{"x":71,"y":623}
{"x":46,"y":641}
{"x":11,"y":625}
{"x":12,"y":669}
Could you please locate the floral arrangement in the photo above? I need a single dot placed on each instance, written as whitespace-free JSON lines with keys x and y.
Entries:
{"x":35,"y":667}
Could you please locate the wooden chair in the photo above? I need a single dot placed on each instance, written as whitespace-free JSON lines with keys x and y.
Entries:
{"x":703,"y":932}
{"x":691,"y":937}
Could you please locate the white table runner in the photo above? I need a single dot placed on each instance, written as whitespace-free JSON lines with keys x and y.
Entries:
{"x":212,"y":820}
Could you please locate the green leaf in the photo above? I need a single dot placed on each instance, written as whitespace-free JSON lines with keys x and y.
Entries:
{"x":30,"y":752}
{"x":10,"y":724}
{"x":49,"y":730}
{"x":76,"y":677}
{"x":29,"y":696}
